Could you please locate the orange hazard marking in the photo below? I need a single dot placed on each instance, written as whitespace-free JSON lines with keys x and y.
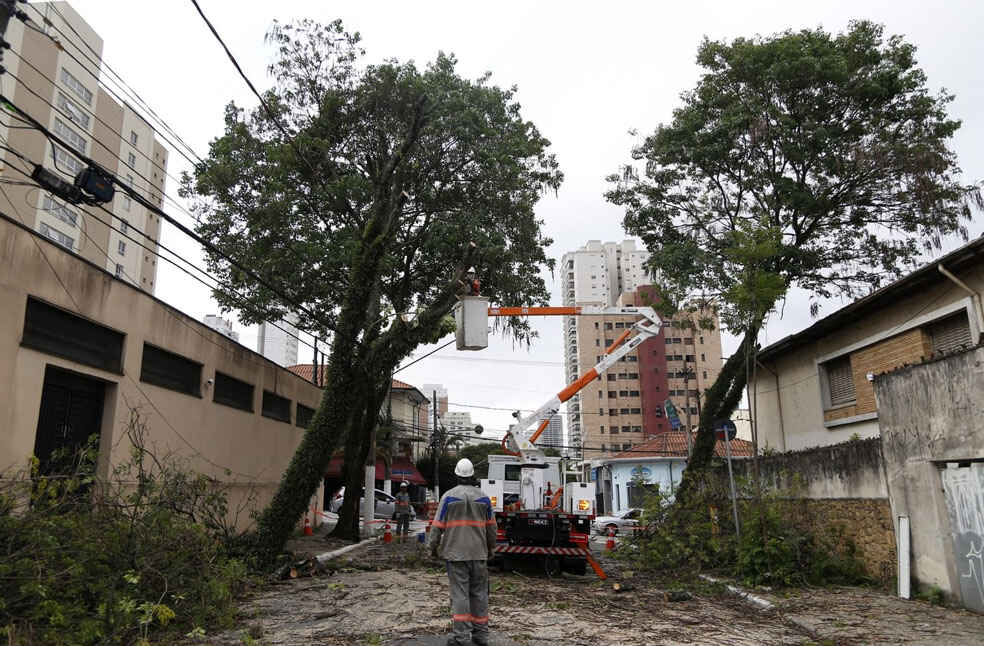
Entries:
{"x":543,"y":425}
{"x":585,"y":379}
{"x":462,"y":523}
{"x":618,"y":341}
{"x":533,"y":311}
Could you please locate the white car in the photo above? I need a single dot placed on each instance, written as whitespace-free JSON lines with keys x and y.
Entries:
{"x":385,"y":504}
{"x":620,"y":521}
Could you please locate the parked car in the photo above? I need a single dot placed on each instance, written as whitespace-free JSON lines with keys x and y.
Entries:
{"x":385,"y":504}
{"x":620,"y":521}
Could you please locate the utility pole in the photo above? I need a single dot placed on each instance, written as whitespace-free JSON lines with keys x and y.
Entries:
{"x":7,"y":10}
{"x":435,"y":441}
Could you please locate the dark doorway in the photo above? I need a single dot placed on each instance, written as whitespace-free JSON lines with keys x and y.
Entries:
{"x":71,"y":412}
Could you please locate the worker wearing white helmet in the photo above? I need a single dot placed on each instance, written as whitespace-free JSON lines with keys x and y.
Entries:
{"x":464,"y":531}
{"x":402,"y":512}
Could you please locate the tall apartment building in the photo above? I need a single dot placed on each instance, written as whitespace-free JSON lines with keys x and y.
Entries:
{"x":441,"y":402}
{"x":65,"y":96}
{"x":553,"y":435}
{"x":625,"y":405}
{"x":222,"y":326}
{"x":595,"y":274}
{"x":278,"y":343}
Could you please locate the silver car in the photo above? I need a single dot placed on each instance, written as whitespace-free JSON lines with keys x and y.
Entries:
{"x":385,"y":504}
{"x":623,"y":520}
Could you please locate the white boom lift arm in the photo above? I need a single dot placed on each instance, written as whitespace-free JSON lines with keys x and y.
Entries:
{"x":519,"y":441}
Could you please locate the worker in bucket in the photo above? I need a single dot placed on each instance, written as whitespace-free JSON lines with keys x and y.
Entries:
{"x":464,"y":531}
{"x":402,"y":512}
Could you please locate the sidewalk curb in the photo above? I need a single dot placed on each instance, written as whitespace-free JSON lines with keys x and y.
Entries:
{"x":755,"y":600}
{"x":327,"y":556}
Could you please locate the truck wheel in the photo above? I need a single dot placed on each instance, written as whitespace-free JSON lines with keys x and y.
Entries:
{"x":577,"y":567}
{"x":551,"y":565}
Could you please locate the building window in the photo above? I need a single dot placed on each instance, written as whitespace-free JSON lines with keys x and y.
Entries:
{"x":608,"y":342}
{"x":619,"y":325}
{"x":705,"y":374}
{"x":624,"y":411}
{"x":626,"y":447}
{"x":598,"y":342}
{"x":66,"y":162}
{"x":60,"y":211}
{"x":637,"y":411}
{"x":614,"y":430}
{"x":626,"y":429}
{"x":633,"y":393}
{"x":601,"y":411}
{"x":57,"y":236}
{"x":276,"y":407}
{"x":133,"y":138}
{"x":951,"y":333}
{"x":172,"y":371}
{"x":124,"y":226}
{"x":632,"y":358}
{"x":613,"y":412}
{"x":603,"y":447}
{"x":611,"y":377}
{"x":304,"y":416}
{"x":839,"y":381}
{"x":74,"y":113}
{"x":131,"y":160}
{"x":61,"y":333}
{"x":633,"y":375}
{"x":608,"y":326}
{"x":596,"y":325}
{"x":129,"y":180}
{"x":702,"y":340}
{"x":623,"y":393}
{"x":637,"y":429}
{"x":230,"y":391}
{"x":127,"y":202}
{"x":76,"y":86}
{"x":119,"y":270}
{"x":702,"y":357}
{"x":74,"y":139}
{"x":688,"y":340}
{"x":121,"y":248}
{"x":601,"y":429}
{"x":611,"y":393}
{"x":658,"y":411}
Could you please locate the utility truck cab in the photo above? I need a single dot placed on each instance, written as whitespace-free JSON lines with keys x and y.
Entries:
{"x":508,"y":470}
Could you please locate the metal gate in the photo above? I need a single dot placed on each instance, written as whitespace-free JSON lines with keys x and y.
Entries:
{"x":964,"y":490}
{"x":71,"y":411}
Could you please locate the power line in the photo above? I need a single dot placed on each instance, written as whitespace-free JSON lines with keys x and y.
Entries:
{"x":155,"y":209}
{"x":98,"y":64}
{"x":218,"y":282}
{"x":423,"y":357}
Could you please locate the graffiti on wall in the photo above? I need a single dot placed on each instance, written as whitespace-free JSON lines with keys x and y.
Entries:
{"x":964,"y":489}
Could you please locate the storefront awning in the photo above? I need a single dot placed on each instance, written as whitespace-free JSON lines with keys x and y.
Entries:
{"x":401,"y":470}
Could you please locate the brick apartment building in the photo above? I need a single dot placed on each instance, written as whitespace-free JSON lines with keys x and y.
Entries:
{"x":625,"y":407}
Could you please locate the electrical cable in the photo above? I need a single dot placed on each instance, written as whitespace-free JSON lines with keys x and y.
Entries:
{"x":423,"y":357}
{"x":156,"y":210}
{"x":168,"y":260}
{"x":251,"y":477}
{"x":99,"y":64}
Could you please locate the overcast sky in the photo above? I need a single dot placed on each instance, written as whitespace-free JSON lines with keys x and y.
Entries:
{"x":587,"y":73}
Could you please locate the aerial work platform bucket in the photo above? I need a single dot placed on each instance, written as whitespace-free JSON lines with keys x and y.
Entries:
{"x":471,"y":316}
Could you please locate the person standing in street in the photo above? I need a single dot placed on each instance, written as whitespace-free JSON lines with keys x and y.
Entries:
{"x":402,"y":512}
{"x":464,"y":532}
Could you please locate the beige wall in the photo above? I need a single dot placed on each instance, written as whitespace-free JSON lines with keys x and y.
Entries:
{"x":213,"y":437}
{"x":878,"y":342}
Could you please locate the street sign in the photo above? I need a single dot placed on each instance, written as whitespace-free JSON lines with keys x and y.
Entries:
{"x":671,"y":414}
{"x":725,"y":426}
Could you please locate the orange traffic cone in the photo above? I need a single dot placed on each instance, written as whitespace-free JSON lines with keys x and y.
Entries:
{"x":610,"y":543}
{"x":387,"y":536}
{"x":307,"y":526}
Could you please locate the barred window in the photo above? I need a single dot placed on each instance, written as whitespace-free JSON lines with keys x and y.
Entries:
{"x":60,"y":211}
{"x":76,"y":86}
{"x":304,"y":416}
{"x":230,"y":391}
{"x":74,"y":139}
{"x":71,"y":110}
{"x":950,"y":333}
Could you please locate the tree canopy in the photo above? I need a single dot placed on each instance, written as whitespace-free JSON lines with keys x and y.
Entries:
{"x":800,"y":159}
{"x":363,"y":192}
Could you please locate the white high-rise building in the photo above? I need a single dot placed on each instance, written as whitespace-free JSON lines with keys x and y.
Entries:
{"x":221,"y":325}
{"x":456,"y":421}
{"x":596,"y":274}
{"x":441,"y":403}
{"x":278,"y":343}
{"x":553,"y":435}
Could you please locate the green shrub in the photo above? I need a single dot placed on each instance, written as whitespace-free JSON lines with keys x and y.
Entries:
{"x":90,"y":562}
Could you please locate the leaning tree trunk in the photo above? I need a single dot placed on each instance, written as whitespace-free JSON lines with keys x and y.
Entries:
{"x":723,"y":398}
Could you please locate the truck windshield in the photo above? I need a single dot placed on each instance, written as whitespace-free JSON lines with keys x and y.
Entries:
{"x":513,"y":472}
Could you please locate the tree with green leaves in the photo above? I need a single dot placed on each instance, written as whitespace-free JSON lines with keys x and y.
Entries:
{"x":803,"y":159}
{"x":364,"y":192}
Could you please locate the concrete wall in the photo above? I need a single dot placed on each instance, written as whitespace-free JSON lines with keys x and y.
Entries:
{"x":839,"y":493}
{"x":214,"y":438}
{"x":788,"y":391}
{"x":930,"y":419}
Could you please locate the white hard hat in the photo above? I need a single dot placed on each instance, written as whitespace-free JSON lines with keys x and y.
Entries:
{"x":403,"y":484}
{"x":464,"y":468}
